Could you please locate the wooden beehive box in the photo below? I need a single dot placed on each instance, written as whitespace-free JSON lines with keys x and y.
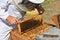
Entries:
{"x":56,"y":20}
{"x":29,"y":28}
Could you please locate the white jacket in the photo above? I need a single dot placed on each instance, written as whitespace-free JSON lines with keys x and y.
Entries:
{"x":7,"y":8}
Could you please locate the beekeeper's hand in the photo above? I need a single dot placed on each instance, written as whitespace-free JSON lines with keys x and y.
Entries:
{"x":12,"y":20}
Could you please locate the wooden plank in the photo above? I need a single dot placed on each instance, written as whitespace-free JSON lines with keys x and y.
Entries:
{"x":56,"y":20}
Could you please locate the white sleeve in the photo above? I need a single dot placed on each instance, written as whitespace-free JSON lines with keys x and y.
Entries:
{"x":3,"y":14}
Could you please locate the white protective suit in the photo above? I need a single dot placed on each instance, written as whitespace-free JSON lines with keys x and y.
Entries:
{"x":7,"y":8}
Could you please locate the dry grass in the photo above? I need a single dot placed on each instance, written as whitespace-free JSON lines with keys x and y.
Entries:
{"x":52,"y":7}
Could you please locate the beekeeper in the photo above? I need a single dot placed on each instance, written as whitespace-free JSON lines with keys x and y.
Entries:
{"x":11,"y":11}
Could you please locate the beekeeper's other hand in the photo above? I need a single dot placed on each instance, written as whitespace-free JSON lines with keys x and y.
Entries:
{"x":12,"y":20}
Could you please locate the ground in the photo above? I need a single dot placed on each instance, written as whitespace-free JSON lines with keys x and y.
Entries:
{"x":52,"y":7}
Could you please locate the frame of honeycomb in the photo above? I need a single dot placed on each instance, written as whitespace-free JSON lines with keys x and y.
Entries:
{"x":29,"y":28}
